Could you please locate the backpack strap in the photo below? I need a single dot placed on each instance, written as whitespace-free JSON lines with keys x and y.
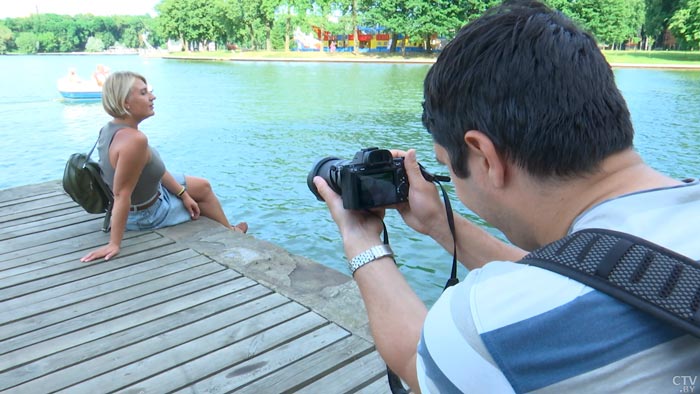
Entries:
{"x":106,"y":223}
{"x":633,"y":270}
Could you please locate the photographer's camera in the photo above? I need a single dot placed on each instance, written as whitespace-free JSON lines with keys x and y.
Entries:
{"x":373,"y":178}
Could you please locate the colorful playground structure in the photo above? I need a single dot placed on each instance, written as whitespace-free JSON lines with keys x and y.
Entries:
{"x":369,"y":40}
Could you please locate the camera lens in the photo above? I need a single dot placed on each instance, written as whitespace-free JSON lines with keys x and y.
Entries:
{"x":326,"y":168}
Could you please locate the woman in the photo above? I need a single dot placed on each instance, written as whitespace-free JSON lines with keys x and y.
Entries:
{"x":146,"y":195}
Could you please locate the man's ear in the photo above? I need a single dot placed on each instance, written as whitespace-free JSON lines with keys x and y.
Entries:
{"x":488,"y":160}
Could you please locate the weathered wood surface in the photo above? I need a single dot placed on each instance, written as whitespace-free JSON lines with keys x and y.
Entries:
{"x":192,"y":309}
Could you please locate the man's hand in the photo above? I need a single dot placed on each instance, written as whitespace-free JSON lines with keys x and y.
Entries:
{"x":424,"y":211}
{"x":360,"y":229}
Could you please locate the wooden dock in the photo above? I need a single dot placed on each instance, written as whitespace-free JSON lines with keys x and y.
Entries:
{"x":194,"y":308}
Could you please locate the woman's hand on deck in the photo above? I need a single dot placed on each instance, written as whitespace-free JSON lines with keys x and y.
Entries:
{"x":108,"y":251}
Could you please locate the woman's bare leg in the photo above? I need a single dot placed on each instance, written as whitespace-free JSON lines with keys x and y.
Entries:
{"x":200,"y":190}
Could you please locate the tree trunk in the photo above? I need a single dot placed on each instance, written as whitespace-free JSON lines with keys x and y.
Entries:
{"x":268,"y":39}
{"x":287,"y":28}
{"x":428,"y":47}
{"x":251,"y":31}
{"x":356,"y":39}
{"x":394,"y":37}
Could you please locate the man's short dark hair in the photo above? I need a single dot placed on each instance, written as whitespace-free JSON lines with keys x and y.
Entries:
{"x":536,"y":84}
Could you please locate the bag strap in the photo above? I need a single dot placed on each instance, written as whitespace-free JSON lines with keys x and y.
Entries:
{"x":106,"y":223}
{"x":93,"y":147}
{"x":633,"y":270}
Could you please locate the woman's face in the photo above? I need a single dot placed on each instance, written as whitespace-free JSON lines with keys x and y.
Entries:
{"x":139,"y":103}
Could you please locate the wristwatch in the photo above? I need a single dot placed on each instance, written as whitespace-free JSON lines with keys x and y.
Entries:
{"x":369,"y":255}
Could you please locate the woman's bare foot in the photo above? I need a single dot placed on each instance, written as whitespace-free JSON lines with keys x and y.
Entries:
{"x":241,"y":227}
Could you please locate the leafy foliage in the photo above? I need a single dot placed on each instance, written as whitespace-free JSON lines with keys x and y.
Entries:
{"x":685,"y":24}
{"x":5,"y":37}
{"x":94,"y":45}
{"x":63,"y":33}
{"x":270,"y":24}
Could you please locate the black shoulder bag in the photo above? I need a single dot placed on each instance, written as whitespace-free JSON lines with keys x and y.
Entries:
{"x":82,"y":181}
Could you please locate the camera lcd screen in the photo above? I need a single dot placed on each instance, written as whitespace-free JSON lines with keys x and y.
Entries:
{"x":377,"y":189}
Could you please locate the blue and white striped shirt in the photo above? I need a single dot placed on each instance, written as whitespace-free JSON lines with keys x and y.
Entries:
{"x":516,"y":328}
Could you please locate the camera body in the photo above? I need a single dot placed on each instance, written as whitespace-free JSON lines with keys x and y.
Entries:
{"x":373,"y":178}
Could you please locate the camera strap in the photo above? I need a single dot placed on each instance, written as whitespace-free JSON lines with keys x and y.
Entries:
{"x":395,"y":384}
{"x":453,"y":280}
{"x":450,"y":220}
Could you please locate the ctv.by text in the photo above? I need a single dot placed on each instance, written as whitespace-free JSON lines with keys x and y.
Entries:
{"x":686,"y":384}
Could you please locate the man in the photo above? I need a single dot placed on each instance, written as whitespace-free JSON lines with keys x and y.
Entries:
{"x":524,"y":112}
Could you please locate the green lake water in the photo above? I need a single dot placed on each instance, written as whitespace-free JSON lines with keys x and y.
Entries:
{"x":254,"y":129}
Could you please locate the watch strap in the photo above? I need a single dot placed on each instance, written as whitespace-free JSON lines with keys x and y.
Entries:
{"x":369,"y":255}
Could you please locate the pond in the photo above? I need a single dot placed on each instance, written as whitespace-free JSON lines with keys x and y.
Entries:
{"x":254,"y":129}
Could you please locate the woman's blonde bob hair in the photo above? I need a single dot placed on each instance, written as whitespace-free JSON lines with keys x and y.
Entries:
{"x":116,"y":90}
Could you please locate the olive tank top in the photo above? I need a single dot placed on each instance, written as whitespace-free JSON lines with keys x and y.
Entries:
{"x":149,"y":180}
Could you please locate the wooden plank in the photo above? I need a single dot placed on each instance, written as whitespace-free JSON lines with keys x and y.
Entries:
{"x":39,"y":213}
{"x":79,"y":246}
{"x":66,"y":233}
{"x":70,"y":262}
{"x":91,"y":275}
{"x":160,"y":317}
{"x":51,"y":249}
{"x":66,"y":359}
{"x":344,"y":380}
{"x":24,"y":194}
{"x":112,"y":287}
{"x":75,"y":311}
{"x":47,"y":226}
{"x":66,"y":218}
{"x":117,"y":319}
{"x":141,"y":343}
{"x":300,"y":373}
{"x":242,"y":373}
{"x":233,"y":344}
{"x":29,"y":205}
{"x":37,"y":189}
{"x":379,"y":386}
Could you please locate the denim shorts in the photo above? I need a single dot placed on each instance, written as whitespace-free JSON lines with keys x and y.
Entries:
{"x":167,"y":211}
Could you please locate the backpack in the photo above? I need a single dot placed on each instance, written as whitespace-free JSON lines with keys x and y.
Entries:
{"x":82,"y":181}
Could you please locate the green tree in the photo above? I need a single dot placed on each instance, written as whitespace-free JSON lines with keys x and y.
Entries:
{"x":192,"y":21}
{"x":47,"y":42}
{"x":613,"y":22}
{"x":5,"y":38}
{"x":685,"y":24}
{"x":658,"y":16}
{"x":94,"y":45}
{"x":258,"y":15}
{"x":291,"y":13}
{"x":439,"y":17}
{"x":27,"y":42}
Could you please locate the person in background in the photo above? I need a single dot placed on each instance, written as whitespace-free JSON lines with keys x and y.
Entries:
{"x":146,"y":195}
{"x":72,"y":77}
{"x":524,"y":112}
{"x":100,"y":74}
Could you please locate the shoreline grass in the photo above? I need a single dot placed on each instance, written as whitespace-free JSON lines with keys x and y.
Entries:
{"x":690,"y":58}
{"x":674,"y":59}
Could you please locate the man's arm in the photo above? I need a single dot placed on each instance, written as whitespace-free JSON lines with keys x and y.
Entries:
{"x":396,"y":314}
{"x":426,"y":214}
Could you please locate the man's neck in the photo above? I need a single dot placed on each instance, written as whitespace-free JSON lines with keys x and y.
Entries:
{"x":560,"y":203}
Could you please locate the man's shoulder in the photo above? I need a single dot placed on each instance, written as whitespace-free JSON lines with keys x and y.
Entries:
{"x":503,"y":293}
